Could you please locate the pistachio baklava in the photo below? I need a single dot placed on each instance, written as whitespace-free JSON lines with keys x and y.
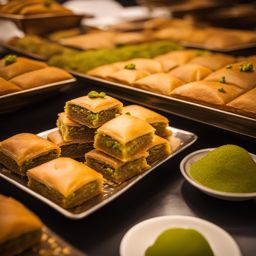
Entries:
{"x":159,"y":122}
{"x":115,"y":170}
{"x":93,"y":110}
{"x":20,"y":229}
{"x":71,"y":130}
{"x":73,"y":149}
{"x":65,"y":181}
{"x":159,"y":149}
{"x":24,"y":151}
{"x":124,"y":136}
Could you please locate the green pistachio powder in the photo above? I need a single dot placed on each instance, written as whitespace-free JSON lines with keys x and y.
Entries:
{"x":228,"y":168}
{"x":180,"y":242}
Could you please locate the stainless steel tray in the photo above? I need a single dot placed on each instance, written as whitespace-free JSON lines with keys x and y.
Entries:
{"x":210,"y":115}
{"x":110,"y":192}
{"x":12,"y":101}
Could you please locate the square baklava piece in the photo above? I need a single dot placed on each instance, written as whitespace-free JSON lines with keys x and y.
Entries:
{"x":124,"y":136}
{"x":159,"y":149}
{"x":159,"y":122}
{"x":65,"y":181}
{"x":93,"y":110}
{"x":25,"y":150}
{"x":115,"y":170}
{"x":71,"y":130}
{"x":73,"y":149}
{"x":20,"y":228}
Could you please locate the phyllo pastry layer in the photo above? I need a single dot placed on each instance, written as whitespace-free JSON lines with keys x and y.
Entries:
{"x":124,"y":136}
{"x":71,"y":130}
{"x":41,"y":77}
{"x":159,"y":149}
{"x":162,"y":83}
{"x":159,"y":122}
{"x":25,"y":150}
{"x":94,"y":109}
{"x":191,"y":72}
{"x":245,"y":103}
{"x":213,"y":61}
{"x":210,"y":92}
{"x":73,"y":149}
{"x":65,"y":181}
{"x":20,"y":228}
{"x":241,"y":74}
{"x":115,"y":170}
{"x":7,"y":87}
{"x":11,"y":66}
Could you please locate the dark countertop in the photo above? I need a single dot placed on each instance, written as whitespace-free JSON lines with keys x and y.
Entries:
{"x":163,"y":192}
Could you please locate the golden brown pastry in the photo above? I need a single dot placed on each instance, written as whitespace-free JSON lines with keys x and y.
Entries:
{"x":131,"y":38}
{"x":7,"y":87}
{"x":210,"y":92}
{"x":41,"y":77}
{"x":162,"y":83}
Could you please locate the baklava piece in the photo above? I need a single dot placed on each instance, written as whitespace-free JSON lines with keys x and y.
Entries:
{"x":213,"y":61}
{"x":73,"y":149}
{"x":115,"y":170}
{"x":41,"y":77}
{"x":158,"y":150}
{"x":11,"y":66}
{"x":162,"y":83}
{"x":210,"y":92}
{"x":159,"y":122}
{"x":191,"y":72}
{"x":20,"y":228}
{"x":71,"y":130}
{"x":93,"y":110}
{"x":7,"y":87}
{"x":24,"y":151}
{"x":65,"y":181}
{"x":241,"y":74}
{"x":245,"y":103}
{"x":124,"y":136}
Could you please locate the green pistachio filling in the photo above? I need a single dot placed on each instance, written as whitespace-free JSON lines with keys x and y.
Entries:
{"x":10,"y":59}
{"x":161,"y":128}
{"x":156,"y":154}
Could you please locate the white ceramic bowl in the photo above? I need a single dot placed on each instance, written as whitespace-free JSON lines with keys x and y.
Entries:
{"x":141,"y":236}
{"x":195,"y":156}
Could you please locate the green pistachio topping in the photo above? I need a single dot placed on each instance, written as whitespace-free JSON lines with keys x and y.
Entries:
{"x":222,"y":90}
{"x":130,"y":66}
{"x":222,"y":80}
{"x":48,"y":3}
{"x":248,"y":67}
{"x":128,"y":113}
{"x":94,"y":94}
{"x":9,"y":59}
{"x":229,"y":66}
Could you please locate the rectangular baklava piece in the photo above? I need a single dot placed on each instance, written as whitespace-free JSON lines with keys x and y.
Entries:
{"x":65,"y":181}
{"x":159,"y":149}
{"x":25,"y":150}
{"x":124,"y":136}
{"x":20,"y":229}
{"x":73,"y":149}
{"x":71,"y":130}
{"x":115,"y":170}
{"x":159,"y":122}
{"x":94,"y":109}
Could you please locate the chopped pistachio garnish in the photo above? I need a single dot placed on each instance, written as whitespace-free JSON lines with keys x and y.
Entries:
{"x":48,"y":3}
{"x":94,"y":94}
{"x":222,"y":80}
{"x":229,"y":66}
{"x":130,"y":66}
{"x":248,"y":67}
{"x":9,"y":59}
{"x":128,"y":113}
{"x":221,"y":90}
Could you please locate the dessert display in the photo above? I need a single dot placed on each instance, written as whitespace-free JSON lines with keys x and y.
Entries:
{"x":21,"y":229}
{"x":65,"y":181}
{"x":228,"y":168}
{"x":25,"y":150}
{"x":172,"y":241}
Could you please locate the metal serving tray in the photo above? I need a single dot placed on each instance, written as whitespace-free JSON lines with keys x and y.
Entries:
{"x":110,"y":191}
{"x":12,"y":101}
{"x":210,"y":115}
